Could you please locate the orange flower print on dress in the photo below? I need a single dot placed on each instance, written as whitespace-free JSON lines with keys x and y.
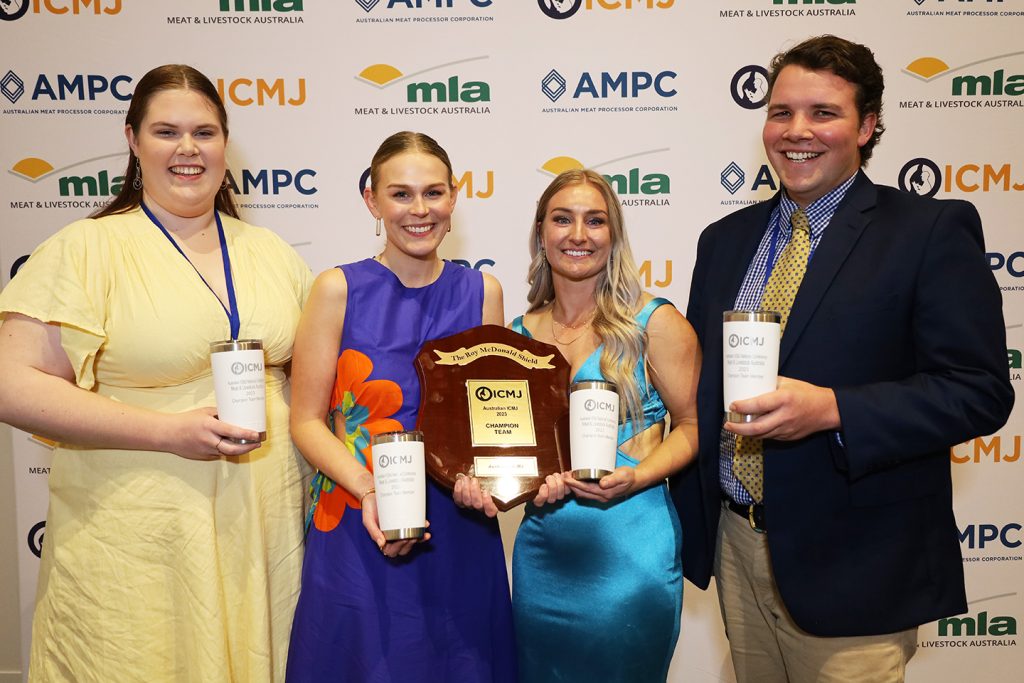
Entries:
{"x":360,"y":409}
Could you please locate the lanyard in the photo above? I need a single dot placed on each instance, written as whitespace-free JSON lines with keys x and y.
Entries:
{"x":232,"y":308}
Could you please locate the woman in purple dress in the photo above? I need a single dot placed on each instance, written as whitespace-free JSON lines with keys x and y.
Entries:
{"x":370,"y":610}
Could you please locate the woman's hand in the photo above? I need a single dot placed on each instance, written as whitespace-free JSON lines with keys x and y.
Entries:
{"x":615,"y":485}
{"x":468,"y":493}
{"x":553,"y":489}
{"x":199,"y":435}
{"x":390,"y":549}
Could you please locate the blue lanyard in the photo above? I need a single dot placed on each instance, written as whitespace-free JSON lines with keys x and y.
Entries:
{"x":232,"y":308}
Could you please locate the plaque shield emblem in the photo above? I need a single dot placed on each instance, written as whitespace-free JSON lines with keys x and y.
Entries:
{"x":494,"y":405}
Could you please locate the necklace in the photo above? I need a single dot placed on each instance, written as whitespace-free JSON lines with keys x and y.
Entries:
{"x":581,"y":326}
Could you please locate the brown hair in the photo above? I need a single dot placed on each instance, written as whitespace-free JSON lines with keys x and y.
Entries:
{"x":853,"y":63}
{"x":408,"y":141}
{"x":166,"y":77}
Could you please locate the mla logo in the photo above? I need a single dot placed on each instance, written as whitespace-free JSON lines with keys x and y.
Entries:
{"x":988,"y":83}
{"x":646,"y":187}
{"x":563,"y":9}
{"x":451,"y":89}
{"x":982,"y":626}
{"x":101,"y":184}
{"x":260,"y":5}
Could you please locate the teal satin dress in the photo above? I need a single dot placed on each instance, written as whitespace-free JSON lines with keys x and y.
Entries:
{"x":597,"y":588}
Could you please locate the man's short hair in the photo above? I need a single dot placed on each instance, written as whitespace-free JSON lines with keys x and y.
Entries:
{"x":852,"y":62}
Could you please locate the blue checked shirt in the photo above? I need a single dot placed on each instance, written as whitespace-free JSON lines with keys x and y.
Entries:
{"x":819,"y":214}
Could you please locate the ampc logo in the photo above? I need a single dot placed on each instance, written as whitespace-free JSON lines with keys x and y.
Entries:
{"x":924,"y":177}
{"x":246,"y":92}
{"x":995,"y":449}
{"x":11,"y":10}
{"x":977,"y":536}
{"x":479,"y":264}
{"x":606,"y":84}
{"x":563,"y":9}
{"x":260,"y":5}
{"x":995,"y":82}
{"x":63,"y":87}
{"x":733,"y":178}
{"x":369,"y":5}
{"x":452,"y":88}
{"x":272,"y":181}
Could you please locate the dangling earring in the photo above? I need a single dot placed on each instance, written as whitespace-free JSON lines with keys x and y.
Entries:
{"x":544,"y":254}
{"x":137,"y":182}
{"x":378,"y":227}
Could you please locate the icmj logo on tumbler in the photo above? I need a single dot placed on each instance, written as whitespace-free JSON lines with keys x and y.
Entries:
{"x":384,"y":460}
{"x":736,"y":340}
{"x":238,"y":367}
{"x":591,"y":405}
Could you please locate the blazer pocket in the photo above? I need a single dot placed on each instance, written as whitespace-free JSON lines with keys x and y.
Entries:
{"x":861,"y":306}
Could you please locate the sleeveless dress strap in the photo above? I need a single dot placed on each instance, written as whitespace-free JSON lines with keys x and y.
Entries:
{"x":645,"y":313}
{"x":517,"y":326}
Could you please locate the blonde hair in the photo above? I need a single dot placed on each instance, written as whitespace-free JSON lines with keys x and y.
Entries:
{"x":618,"y":294}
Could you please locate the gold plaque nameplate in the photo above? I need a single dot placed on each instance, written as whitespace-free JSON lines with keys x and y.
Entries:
{"x":499,"y":413}
{"x":505,"y":466}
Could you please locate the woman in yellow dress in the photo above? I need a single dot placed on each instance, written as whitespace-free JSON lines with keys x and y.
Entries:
{"x":171,"y":552}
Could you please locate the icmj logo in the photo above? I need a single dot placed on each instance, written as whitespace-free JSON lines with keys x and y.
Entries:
{"x":924,"y":177}
{"x":736,"y":340}
{"x":260,"y":5}
{"x":11,"y":10}
{"x":478,"y":185}
{"x":104,"y":183}
{"x":590,"y":405}
{"x":238,"y":367}
{"x":749,"y":86}
{"x":67,"y":86}
{"x":368,"y":5}
{"x":606,"y":84}
{"x":981,"y":83}
{"x":631,"y":181}
{"x":450,"y":89}
{"x":733,"y":178}
{"x":981,"y":449}
{"x":246,"y":92}
{"x":35,"y":538}
{"x":563,"y":9}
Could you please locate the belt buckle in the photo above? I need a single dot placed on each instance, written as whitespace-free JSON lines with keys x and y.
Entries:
{"x":753,"y":522}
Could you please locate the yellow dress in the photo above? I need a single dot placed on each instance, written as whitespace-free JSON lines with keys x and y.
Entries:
{"x":154,"y":567}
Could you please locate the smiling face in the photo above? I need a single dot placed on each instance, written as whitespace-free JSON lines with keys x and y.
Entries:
{"x":414,"y":198}
{"x":813,"y":133}
{"x":180,"y":146}
{"x":575,"y":232}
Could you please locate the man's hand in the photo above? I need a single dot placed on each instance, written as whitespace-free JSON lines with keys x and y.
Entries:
{"x":795,"y":410}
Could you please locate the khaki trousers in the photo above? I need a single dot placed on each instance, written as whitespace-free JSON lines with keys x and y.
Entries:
{"x":767,"y":646}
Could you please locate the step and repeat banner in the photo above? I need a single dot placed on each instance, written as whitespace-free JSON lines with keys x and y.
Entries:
{"x":664,"y":97}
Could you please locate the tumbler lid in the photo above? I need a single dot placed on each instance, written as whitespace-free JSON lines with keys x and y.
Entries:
{"x":236,"y":345}
{"x":751,"y":316}
{"x":593,"y":384}
{"x":396,"y":437}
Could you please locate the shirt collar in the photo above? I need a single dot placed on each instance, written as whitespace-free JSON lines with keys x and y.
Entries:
{"x":819,"y":212}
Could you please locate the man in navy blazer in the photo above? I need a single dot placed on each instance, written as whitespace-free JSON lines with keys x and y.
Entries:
{"x":894,"y":350}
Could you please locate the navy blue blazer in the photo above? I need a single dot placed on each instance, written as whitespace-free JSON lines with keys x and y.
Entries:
{"x":900,"y":314}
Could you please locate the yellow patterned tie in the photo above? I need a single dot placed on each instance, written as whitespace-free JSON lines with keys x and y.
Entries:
{"x":779,"y":293}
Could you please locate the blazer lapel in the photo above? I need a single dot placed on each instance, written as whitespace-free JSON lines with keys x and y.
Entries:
{"x":842,"y":233}
{"x":734,"y":259}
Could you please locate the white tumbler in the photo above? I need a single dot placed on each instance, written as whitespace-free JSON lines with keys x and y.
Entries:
{"x":593,"y":429}
{"x":240,"y":384}
{"x":399,"y":476}
{"x":750,"y":357}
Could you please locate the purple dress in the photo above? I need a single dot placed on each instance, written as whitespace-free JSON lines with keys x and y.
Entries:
{"x":443,"y":612}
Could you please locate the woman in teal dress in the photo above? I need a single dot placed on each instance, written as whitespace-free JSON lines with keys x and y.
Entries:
{"x":596,"y":575}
